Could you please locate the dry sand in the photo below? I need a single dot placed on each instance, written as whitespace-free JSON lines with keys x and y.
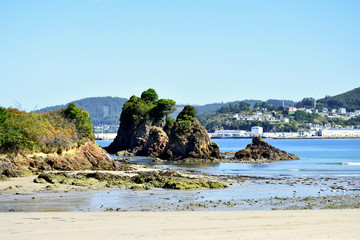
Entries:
{"x":298,"y":224}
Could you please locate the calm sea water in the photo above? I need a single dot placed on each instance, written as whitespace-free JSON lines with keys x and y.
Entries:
{"x":318,"y":157}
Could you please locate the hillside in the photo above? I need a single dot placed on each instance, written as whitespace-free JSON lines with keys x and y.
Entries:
{"x":56,"y":140}
{"x":214,"y":107}
{"x":107,"y":110}
{"x":49,"y":132}
{"x":349,"y":100}
{"x":103,"y":110}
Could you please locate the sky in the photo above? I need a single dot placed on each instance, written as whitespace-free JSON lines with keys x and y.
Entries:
{"x":191,"y":51}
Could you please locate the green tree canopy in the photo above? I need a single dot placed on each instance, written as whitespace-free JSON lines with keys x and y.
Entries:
{"x":187,"y":113}
{"x":149,"y":95}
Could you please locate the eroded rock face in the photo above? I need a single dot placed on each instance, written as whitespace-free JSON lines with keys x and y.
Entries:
{"x":260,"y":151}
{"x":188,"y":139}
{"x":88,"y":157}
{"x":156,"y":143}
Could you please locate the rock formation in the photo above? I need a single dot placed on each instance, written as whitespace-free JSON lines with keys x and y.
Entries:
{"x":260,"y":151}
{"x":87,"y":157}
{"x":137,"y":118}
{"x":156,"y":143}
{"x":188,"y":139}
{"x":143,"y":131}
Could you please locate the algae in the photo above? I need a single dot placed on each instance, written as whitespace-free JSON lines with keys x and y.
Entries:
{"x":142,"y":181}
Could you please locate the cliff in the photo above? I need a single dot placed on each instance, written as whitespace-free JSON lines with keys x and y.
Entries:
{"x":260,"y":151}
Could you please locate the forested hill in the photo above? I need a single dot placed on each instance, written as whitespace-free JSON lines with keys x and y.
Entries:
{"x":214,"y":107}
{"x":349,"y":100}
{"x":103,"y":110}
{"x":107,"y":110}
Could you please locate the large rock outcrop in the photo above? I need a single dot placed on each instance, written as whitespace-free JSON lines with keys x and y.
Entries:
{"x":87,"y":157}
{"x":143,"y":131}
{"x":260,"y":151}
{"x":156,"y":143}
{"x":188,"y":139}
{"x":137,"y":118}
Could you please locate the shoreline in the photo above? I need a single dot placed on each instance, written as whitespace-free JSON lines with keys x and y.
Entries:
{"x":242,"y":194}
{"x":292,"y":224}
{"x":110,"y":137}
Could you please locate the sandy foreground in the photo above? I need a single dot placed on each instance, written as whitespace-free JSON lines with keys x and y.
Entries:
{"x":297,"y":224}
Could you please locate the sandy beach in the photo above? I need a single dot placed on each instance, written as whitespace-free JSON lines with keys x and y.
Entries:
{"x":298,"y":224}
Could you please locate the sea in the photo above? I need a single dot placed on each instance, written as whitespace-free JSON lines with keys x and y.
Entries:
{"x":324,"y":165}
{"x":318,"y":157}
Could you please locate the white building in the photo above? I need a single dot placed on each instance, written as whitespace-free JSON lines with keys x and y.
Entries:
{"x":342,"y":132}
{"x":228,"y":133}
{"x":256,"y":131}
{"x":342,"y":110}
{"x":285,"y":120}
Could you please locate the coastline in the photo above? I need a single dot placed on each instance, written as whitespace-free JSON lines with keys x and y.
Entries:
{"x":243,"y":193}
{"x":304,"y":224}
{"x":111,"y":136}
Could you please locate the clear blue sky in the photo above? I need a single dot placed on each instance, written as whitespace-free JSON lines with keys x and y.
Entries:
{"x":198,"y":51}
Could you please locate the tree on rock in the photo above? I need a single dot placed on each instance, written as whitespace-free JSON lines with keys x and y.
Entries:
{"x":188,"y":139}
{"x":137,"y":117}
{"x":187,"y":113}
{"x":149,"y":95}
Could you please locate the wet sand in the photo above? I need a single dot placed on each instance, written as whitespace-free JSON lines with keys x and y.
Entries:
{"x":298,"y":224}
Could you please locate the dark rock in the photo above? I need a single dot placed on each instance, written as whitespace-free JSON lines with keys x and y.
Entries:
{"x":188,"y":139}
{"x":260,"y":151}
{"x":156,"y":142}
{"x":124,"y":153}
{"x":89,"y":156}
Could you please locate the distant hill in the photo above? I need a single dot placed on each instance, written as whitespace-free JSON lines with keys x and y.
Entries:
{"x":103,"y":110}
{"x":107,"y":110}
{"x":349,"y":100}
{"x":212,"y":108}
{"x":277,"y":102}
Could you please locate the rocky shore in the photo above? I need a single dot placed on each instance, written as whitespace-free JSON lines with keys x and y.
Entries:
{"x":88,"y":156}
{"x":195,"y":191}
{"x":260,"y":151}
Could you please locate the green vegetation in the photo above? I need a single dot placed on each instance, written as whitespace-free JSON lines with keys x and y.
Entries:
{"x":45,"y":132}
{"x":187,"y":113}
{"x":235,"y":108}
{"x":106,"y":110}
{"x":142,"y":181}
{"x":306,"y":103}
{"x":349,"y":100}
{"x":169,"y":123}
{"x":146,"y":108}
{"x":351,"y":122}
{"x":297,"y":119}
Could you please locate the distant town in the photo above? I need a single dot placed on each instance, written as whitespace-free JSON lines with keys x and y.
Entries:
{"x":318,"y":130}
{"x":314,"y":130}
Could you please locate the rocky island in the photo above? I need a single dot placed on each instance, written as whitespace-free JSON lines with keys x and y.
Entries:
{"x":260,"y":151}
{"x":143,"y":131}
